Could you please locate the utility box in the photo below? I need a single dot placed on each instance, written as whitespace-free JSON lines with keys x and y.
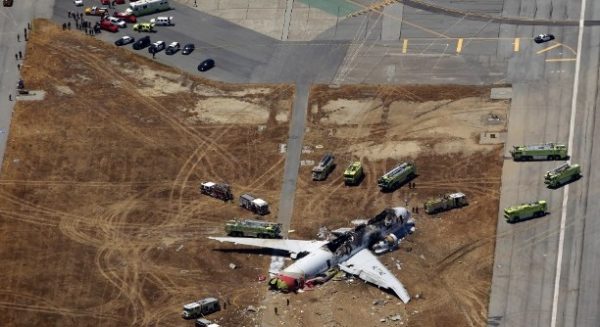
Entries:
{"x":254,"y":204}
{"x":325,"y":166}
{"x":201,"y":307}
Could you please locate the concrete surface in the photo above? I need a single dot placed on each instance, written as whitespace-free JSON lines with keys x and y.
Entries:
{"x":12,"y":22}
{"x":526,"y":290}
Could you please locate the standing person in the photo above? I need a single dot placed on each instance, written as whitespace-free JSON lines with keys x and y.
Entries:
{"x":16,"y":57}
{"x":69,"y":14}
{"x":69,"y":26}
{"x":10,"y":97}
{"x":29,"y":26}
{"x":18,"y":38}
{"x":20,"y":55}
{"x":18,"y":66}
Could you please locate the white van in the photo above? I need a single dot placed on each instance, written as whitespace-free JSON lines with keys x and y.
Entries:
{"x":163,"y":21}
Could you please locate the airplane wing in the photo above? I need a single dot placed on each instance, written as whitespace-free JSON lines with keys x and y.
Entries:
{"x":367,"y":267}
{"x":292,"y":246}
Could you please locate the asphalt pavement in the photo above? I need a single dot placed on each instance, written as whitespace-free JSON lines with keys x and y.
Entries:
{"x":546,"y":269}
{"x":12,"y":22}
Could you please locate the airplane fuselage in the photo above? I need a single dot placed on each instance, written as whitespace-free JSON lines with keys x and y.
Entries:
{"x":339,"y":250}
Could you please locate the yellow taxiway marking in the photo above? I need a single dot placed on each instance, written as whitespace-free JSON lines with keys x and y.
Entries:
{"x":459,"y":45}
{"x":560,"y":59}
{"x":404,"y":45}
{"x":549,"y":48}
{"x":517,"y":44}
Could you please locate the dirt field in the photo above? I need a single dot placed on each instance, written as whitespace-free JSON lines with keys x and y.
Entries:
{"x":101,"y":222}
{"x":446,"y":264}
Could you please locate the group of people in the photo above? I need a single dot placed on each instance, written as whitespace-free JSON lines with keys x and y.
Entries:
{"x":81,"y":24}
{"x":19,"y":55}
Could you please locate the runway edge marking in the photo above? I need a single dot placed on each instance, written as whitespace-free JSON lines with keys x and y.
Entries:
{"x":563,"y":216}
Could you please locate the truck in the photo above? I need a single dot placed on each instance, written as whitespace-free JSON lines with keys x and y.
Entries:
{"x":96,"y":11}
{"x":217,"y":190}
{"x":354,"y":173}
{"x":254,"y":204}
{"x":143,"y":27}
{"x":325,"y":166}
{"x":446,"y":202}
{"x":201,"y":307}
{"x":525,"y":211}
{"x":147,"y":7}
{"x":253,"y":228}
{"x":547,"y":151}
{"x":562,"y":174}
{"x":399,"y":175}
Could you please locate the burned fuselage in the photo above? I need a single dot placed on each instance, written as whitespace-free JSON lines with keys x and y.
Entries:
{"x":394,"y":221}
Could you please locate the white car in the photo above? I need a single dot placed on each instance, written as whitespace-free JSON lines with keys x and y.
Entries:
{"x":173,"y":48}
{"x":78,"y":3}
{"x":117,"y":21}
{"x":157,"y":47}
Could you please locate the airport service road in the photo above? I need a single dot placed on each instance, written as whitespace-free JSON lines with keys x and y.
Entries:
{"x":12,"y":21}
{"x":532,"y":258}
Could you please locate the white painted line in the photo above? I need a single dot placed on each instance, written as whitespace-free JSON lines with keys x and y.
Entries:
{"x":563,"y":216}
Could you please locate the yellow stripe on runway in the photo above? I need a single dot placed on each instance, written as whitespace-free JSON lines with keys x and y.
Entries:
{"x":517,"y":44}
{"x":560,"y":59}
{"x":549,"y":48}
{"x":404,"y":45}
{"x":459,"y":45}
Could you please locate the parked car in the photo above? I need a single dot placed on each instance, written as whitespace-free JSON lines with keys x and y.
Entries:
{"x":124,"y":40}
{"x":108,"y":26}
{"x":543,"y":38}
{"x":126,"y":17}
{"x":206,"y":65}
{"x":96,"y":11}
{"x":7,"y":3}
{"x":78,"y":3}
{"x":188,"y":48}
{"x":117,"y":21}
{"x":157,"y":46}
{"x":142,"y":43}
{"x":108,"y":2}
{"x":163,"y":21}
{"x":173,"y":48}
{"x":143,"y":27}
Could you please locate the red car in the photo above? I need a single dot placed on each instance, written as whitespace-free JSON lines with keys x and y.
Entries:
{"x":107,"y":2}
{"x":106,"y":25}
{"x":126,"y":17}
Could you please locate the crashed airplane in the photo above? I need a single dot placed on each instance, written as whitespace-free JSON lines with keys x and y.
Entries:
{"x":349,"y":251}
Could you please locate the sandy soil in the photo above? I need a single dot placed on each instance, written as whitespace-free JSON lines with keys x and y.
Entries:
{"x":447,"y":263}
{"x":101,"y":222}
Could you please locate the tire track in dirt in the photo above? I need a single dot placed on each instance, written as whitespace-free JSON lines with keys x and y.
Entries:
{"x":19,"y":300}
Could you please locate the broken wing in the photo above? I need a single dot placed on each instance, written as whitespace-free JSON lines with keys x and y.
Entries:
{"x":367,"y":267}
{"x":292,"y":246}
